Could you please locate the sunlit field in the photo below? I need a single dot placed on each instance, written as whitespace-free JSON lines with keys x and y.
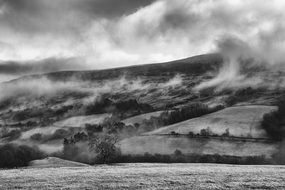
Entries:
{"x":146,"y":176}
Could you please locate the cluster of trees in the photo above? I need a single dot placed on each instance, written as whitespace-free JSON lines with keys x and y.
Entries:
{"x":96,"y":149}
{"x":105,"y":148}
{"x":43,"y":116}
{"x":97,"y":143}
{"x":10,"y":135}
{"x":6,"y":102}
{"x":188,"y":112}
{"x":58,"y":134}
{"x":123,"y":109}
{"x":23,"y":125}
{"x":175,"y":116}
{"x":12,"y":156}
{"x":41,"y":113}
{"x":208,"y":133}
{"x":179,"y":157}
{"x":274,"y":125}
{"x":113,"y":125}
{"x":93,"y":128}
{"x":243,"y":95}
{"x":75,"y":148}
{"x":274,"y":122}
{"x":80,"y":136}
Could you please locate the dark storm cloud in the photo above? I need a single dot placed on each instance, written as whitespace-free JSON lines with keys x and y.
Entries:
{"x":111,"y":8}
{"x":34,"y":16}
{"x":42,"y":66}
{"x":104,"y":8}
{"x":112,"y":33}
{"x":62,"y":16}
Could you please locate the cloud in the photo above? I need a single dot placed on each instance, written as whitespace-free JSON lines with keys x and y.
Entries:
{"x":42,"y":66}
{"x":168,"y":30}
{"x":40,"y":29}
{"x":111,"y":33}
{"x":34,"y":16}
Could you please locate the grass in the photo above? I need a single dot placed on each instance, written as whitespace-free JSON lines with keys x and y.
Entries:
{"x":147,"y":176}
{"x":240,"y":120}
{"x":154,"y":144}
{"x":139,"y":118}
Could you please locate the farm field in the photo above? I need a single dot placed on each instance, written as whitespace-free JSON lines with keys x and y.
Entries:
{"x":156,"y":144}
{"x":147,"y":176}
{"x":140,"y":118}
{"x":240,"y":120}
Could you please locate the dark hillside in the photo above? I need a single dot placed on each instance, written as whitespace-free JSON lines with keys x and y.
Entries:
{"x":196,"y":65}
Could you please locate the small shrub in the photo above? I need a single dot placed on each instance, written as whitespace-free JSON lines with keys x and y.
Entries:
{"x":178,"y":152}
{"x":36,"y":137}
{"x":173,"y":133}
{"x":193,"y":158}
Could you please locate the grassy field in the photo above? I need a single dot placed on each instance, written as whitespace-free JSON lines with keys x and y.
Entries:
{"x":80,"y":121}
{"x":240,"y":120}
{"x":146,"y":176}
{"x":168,"y":144}
{"x":140,"y":118}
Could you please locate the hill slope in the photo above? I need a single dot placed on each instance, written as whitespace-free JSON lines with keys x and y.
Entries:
{"x":242,"y":121}
{"x":140,"y":118}
{"x":56,"y":105}
{"x":52,"y":162}
{"x":154,"y":144}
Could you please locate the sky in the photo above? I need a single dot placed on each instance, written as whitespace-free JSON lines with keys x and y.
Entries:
{"x":38,"y":36}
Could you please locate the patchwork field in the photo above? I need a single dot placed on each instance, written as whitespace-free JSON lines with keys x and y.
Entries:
{"x":80,"y":121}
{"x":147,"y":176}
{"x":140,"y":118}
{"x":155,"y":144}
{"x":240,"y":120}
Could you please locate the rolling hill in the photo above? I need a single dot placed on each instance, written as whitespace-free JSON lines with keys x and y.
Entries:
{"x":166,"y":145}
{"x":242,"y":121}
{"x":52,"y":162}
{"x":140,"y":118}
{"x":43,"y":109}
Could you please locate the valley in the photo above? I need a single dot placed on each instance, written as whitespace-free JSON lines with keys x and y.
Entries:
{"x":154,"y":109}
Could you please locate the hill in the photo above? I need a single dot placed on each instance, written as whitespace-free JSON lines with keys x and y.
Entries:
{"x":195,"y":65}
{"x":241,"y":121}
{"x":80,"y":121}
{"x":52,"y":162}
{"x":44,"y":109}
{"x":166,"y":145}
{"x":140,"y":118}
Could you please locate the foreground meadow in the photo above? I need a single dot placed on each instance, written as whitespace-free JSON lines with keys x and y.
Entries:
{"x":146,"y":176}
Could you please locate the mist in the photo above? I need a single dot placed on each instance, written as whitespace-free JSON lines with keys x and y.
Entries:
{"x":240,"y":58}
{"x":39,"y":37}
{"x":141,"y":32}
{"x":42,"y":86}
